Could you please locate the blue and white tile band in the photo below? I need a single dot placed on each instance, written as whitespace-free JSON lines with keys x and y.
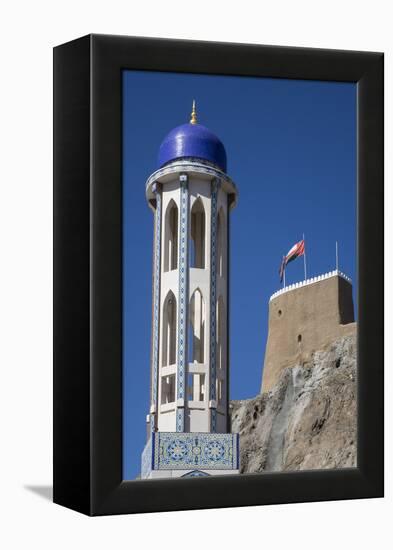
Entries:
{"x":183,"y":302}
{"x":213,"y":298}
{"x":156,"y":305}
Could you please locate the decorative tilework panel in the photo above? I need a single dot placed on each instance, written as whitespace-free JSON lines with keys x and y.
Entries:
{"x":206,"y":451}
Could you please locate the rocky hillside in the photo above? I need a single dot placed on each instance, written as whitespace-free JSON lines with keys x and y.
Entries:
{"x":308,"y":420}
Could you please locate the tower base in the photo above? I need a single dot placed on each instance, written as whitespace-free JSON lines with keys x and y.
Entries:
{"x":179,"y":454}
{"x":165,"y":474}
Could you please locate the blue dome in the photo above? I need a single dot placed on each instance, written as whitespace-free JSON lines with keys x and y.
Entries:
{"x":192,"y":140}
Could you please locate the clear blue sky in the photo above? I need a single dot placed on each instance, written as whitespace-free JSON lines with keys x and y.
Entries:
{"x":291,"y":148}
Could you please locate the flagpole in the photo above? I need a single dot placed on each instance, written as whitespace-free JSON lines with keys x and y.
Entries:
{"x":284,"y":277}
{"x":304,"y":258}
{"x":336,"y":256}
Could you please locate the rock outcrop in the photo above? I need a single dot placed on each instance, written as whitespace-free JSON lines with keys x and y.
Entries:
{"x":307,"y":420}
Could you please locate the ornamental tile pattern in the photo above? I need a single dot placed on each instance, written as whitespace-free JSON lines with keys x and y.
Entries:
{"x":156,"y":304}
{"x":213,"y":298}
{"x":196,"y":473}
{"x":183,"y":300}
{"x":206,"y":451}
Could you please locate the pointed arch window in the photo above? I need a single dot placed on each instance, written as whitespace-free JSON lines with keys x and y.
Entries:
{"x":196,"y":340}
{"x":221,"y":243}
{"x":198,"y":235}
{"x":171,"y":236}
{"x":169,"y":330}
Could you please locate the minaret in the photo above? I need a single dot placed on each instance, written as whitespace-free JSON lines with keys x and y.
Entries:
{"x":191,"y":197}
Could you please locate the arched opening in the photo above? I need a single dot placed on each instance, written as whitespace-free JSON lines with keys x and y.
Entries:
{"x":196,"y":473}
{"x":221,"y":243}
{"x":171,"y":236}
{"x":169,"y":331}
{"x":220,"y":332}
{"x":196,"y":339}
{"x":198,"y":235}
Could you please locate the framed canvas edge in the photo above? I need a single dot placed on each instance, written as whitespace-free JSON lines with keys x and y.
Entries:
{"x":107,"y":492}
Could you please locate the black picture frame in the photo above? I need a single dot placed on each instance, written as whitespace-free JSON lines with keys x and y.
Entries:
{"x":88,"y":274}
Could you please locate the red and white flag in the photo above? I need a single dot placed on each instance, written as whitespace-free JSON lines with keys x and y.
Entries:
{"x":297,"y":250}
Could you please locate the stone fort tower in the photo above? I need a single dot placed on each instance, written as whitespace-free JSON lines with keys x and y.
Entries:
{"x":303,"y":318}
{"x":191,"y":196}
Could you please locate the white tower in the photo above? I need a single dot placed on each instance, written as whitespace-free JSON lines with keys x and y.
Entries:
{"x":191,"y":196}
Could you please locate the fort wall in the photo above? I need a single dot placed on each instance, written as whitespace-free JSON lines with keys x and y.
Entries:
{"x":304,"y":318}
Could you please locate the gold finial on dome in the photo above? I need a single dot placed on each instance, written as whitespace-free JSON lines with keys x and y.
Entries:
{"x":193,"y":119}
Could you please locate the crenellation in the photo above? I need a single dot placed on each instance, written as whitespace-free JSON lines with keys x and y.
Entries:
{"x":310,"y":281}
